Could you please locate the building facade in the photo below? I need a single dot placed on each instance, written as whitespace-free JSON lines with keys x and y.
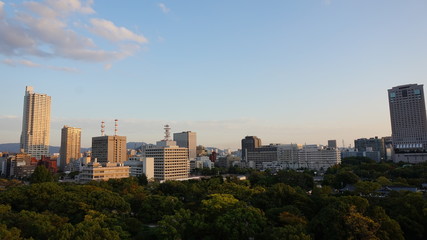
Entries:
{"x":408,"y":122}
{"x":35,"y":134}
{"x":70,"y":146}
{"x":332,"y":143}
{"x":170,"y":161}
{"x":141,"y":165}
{"x":109,"y":149}
{"x":373,"y":144}
{"x":249,"y":144}
{"x":187,"y":140}
{"x":102,"y":172}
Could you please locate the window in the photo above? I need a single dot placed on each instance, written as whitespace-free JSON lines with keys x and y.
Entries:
{"x":404,"y":93}
{"x":392,"y":95}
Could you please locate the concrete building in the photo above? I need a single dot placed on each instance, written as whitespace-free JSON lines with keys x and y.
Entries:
{"x":370,"y":145}
{"x":294,"y":156}
{"x":201,"y":162}
{"x":227,"y":161}
{"x":187,"y":140}
{"x":141,"y":165}
{"x":170,"y":161}
{"x":96,"y":171}
{"x":70,"y":146}
{"x":109,"y":149}
{"x":408,"y":123}
{"x":249,"y":143}
{"x":262,"y":154}
{"x":35,"y":134}
{"x":318,"y":158}
{"x":332,"y":143}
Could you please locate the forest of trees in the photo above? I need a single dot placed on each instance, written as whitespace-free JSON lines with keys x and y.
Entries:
{"x":282,"y":205}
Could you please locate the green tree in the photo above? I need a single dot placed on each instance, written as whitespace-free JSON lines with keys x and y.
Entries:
{"x":240,"y":223}
{"x":365,"y":187}
{"x":184,"y":224}
{"x":41,"y":174}
{"x":9,"y":234}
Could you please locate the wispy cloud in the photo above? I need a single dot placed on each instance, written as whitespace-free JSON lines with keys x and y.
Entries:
{"x":8,"y":117}
{"x":28,"y":63}
{"x":45,"y":30}
{"x":110,"y":31}
{"x":163,"y":7}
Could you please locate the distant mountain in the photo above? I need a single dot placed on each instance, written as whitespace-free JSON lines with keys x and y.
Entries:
{"x":135,"y":145}
{"x":14,"y":148}
{"x":9,"y":147}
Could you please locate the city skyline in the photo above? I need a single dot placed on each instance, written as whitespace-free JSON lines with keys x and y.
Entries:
{"x":301,"y":72}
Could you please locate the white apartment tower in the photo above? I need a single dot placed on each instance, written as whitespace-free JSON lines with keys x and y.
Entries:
{"x":70,"y":145}
{"x":36,"y":123}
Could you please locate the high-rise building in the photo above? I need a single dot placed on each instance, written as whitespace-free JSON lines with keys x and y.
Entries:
{"x":187,"y":140}
{"x":249,"y":143}
{"x":109,"y":149}
{"x":36,"y":123}
{"x":70,"y":145}
{"x":170,"y":161}
{"x":408,"y":122}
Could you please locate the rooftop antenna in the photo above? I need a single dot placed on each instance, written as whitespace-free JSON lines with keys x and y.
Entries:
{"x":167,"y":133}
{"x":115,"y":127}
{"x":102,"y":128}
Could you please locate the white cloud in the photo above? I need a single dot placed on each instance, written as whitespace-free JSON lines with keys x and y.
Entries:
{"x":163,"y":7}
{"x":110,"y":31}
{"x":28,"y":63}
{"x":43,"y":29}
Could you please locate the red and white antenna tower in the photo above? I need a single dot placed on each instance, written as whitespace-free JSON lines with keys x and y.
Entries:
{"x":102,"y":128}
{"x":167,"y":133}
{"x":115,"y":127}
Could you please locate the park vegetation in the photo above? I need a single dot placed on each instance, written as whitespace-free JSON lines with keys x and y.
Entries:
{"x":282,"y":205}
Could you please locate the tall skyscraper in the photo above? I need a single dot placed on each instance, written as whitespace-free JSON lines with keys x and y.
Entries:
{"x":36,"y":123}
{"x":249,"y":143}
{"x":70,"y":145}
{"x":187,"y":140}
{"x":408,"y":121}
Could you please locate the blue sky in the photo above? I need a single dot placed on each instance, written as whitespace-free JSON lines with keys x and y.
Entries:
{"x":285,"y":71}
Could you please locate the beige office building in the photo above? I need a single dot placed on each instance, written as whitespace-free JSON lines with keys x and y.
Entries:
{"x":187,"y":140}
{"x":70,"y":145}
{"x":96,"y":171}
{"x":109,"y":149}
{"x":170,"y":162}
{"x":35,"y":134}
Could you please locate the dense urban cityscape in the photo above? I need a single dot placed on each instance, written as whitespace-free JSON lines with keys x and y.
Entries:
{"x":308,"y":167}
{"x":203,"y":120}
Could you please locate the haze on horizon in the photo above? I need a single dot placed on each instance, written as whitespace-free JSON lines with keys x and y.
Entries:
{"x":285,"y":71}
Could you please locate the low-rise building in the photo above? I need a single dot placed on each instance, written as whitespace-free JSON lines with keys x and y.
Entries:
{"x":98,"y":172}
{"x":141,"y":165}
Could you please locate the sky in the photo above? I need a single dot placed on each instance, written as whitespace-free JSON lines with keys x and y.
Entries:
{"x":286,"y":71}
